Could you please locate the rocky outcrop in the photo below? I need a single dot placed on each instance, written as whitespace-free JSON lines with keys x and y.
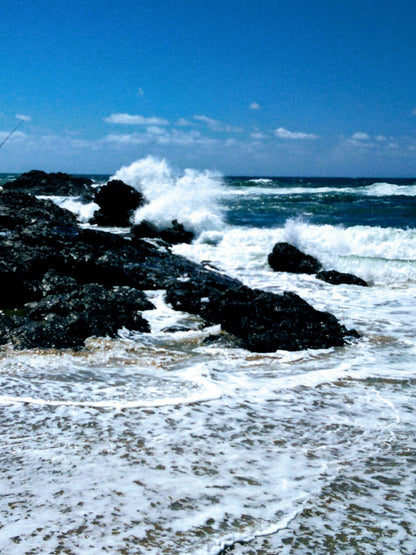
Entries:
{"x":173,"y":234}
{"x":338,"y":278}
{"x":62,"y":283}
{"x":287,"y":258}
{"x":263,"y":321}
{"x":18,"y":209}
{"x":117,"y":202}
{"x":65,"y":320}
{"x":38,"y":182}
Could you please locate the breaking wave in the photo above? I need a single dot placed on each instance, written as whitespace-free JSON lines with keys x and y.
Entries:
{"x":191,"y":197}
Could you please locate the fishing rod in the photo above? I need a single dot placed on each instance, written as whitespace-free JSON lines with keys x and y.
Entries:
{"x":11,"y":133}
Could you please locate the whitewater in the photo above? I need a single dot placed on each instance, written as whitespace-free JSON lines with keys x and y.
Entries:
{"x":177,"y":443}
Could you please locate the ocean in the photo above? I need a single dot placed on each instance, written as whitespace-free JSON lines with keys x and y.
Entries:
{"x":166,"y":443}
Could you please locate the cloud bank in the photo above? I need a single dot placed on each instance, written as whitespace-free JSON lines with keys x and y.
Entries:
{"x":128,"y":119}
{"x":283,"y":133}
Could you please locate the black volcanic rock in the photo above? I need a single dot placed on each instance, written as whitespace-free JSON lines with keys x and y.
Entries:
{"x":117,"y":202}
{"x":287,"y":258}
{"x":145,"y":230}
{"x":337,"y":278}
{"x":39,"y":182}
{"x":66,"y":320}
{"x":263,"y":321}
{"x":18,"y":209}
{"x":174,"y":234}
{"x":61,"y":284}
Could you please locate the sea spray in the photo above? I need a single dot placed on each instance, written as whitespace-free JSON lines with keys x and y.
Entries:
{"x":377,"y":254}
{"x":192,"y":197}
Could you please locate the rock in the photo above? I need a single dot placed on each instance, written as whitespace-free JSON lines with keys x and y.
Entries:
{"x":117,"y":202}
{"x":66,"y":320}
{"x":145,"y":229}
{"x":337,"y":278}
{"x":62,"y":284}
{"x":38,"y":182}
{"x":264,"y":322}
{"x":19,"y":209}
{"x":15,"y":290}
{"x":287,"y":258}
{"x":174,"y":234}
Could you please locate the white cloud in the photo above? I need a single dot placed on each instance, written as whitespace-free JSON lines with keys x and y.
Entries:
{"x":23,"y":117}
{"x":258,"y":136}
{"x":129,"y":119}
{"x":182,"y":122}
{"x":154,"y":135}
{"x":141,"y":92}
{"x":255,"y":106}
{"x":155,"y":130}
{"x":133,"y":138}
{"x":381,"y":138}
{"x":283,"y":133}
{"x":360,"y":136}
{"x":7,"y":135}
{"x":393,"y":145}
{"x":215,"y":125}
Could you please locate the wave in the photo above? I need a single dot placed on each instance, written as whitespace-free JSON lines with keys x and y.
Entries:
{"x":374,"y":190}
{"x":83,"y":211}
{"x":389,"y":190}
{"x":190,"y":197}
{"x":261,"y":180}
{"x":377,"y":254}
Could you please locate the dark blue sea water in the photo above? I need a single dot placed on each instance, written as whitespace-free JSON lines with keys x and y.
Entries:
{"x":270,"y":202}
{"x":339,"y":201}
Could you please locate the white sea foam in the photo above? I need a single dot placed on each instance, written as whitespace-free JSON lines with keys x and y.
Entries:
{"x":190,"y":197}
{"x":389,"y":189}
{"x":386,"y":255}
{"x":375,"y":190}
{"x":84,"y":211}
{"x":261,"y":180}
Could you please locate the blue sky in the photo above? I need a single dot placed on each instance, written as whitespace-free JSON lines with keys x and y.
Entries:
{"x":299,"y":87}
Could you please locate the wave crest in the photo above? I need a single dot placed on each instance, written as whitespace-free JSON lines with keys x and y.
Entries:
{"x":190,"y":197}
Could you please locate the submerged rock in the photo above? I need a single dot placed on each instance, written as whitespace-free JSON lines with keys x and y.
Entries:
{"x":39,"y":182}
{"x":337,"y":278}
{"x":173,"y":234}
{"x":287,"y":258}
{"x":117,"y":202}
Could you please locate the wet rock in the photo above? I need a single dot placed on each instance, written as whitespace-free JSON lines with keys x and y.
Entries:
{"x":337,"y":278}
{"x":19,"y":209}
{"x":265,"y":322}
{"x":15,"y":290}
{"x":66,"y":320}
{"x":287,"y":258}
{"x":117,"y":202}
{"x":173,"y":234}
{"x":176,"y":234}
{"x":145,"y":229}
{"x":70,"y":283}
{"x":39,"y":182}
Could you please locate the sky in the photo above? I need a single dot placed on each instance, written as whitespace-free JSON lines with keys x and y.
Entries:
{"x":265,"y":87}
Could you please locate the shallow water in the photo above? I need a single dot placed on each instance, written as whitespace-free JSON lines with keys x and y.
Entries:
{"x":167,"y":443}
